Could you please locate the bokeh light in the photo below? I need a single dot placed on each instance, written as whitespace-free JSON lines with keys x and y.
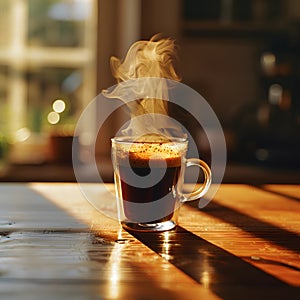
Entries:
{"x":59,"y":106}
{"x":53,"y":117}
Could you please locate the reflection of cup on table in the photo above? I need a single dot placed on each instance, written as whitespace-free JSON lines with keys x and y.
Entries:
{"x":149,"y":175}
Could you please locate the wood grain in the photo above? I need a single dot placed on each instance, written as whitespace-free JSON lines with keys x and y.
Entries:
{"x":55,"y":245}
{"x":261,"y":227}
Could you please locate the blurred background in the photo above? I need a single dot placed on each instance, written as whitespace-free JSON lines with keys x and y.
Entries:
{"x":243,"y":56}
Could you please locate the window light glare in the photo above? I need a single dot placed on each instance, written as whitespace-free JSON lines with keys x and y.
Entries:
{"x":22,"y":134}
{"x":53,"y":117}
{"x":59,"y":106}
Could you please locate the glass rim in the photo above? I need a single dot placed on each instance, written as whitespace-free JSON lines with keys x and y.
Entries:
{"x":135,"y":140}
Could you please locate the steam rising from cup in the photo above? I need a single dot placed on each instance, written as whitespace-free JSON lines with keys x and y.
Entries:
{"x":143,"y":86}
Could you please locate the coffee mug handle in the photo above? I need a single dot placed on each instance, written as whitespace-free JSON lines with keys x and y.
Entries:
{"x":199,"y":192}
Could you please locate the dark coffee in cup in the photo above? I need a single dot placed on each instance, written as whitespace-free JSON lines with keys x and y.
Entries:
{"x":149,"y":177}
{"x":160,"y":165}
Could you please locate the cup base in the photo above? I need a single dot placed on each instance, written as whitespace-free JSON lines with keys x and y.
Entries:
{"x":149,"y":227}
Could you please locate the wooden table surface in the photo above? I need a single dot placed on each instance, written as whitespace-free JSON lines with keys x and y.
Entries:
{"x":55,"y":245}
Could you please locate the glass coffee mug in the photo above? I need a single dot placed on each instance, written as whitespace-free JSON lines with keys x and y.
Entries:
{"x":149,"y":178}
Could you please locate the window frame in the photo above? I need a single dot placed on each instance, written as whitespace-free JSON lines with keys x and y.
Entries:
{"x":20,"y":58}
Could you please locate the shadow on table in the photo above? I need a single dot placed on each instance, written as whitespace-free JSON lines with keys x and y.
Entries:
{"x":223,"y":273}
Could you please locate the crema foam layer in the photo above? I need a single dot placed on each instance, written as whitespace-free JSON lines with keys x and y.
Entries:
{"x":143,"y":155}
